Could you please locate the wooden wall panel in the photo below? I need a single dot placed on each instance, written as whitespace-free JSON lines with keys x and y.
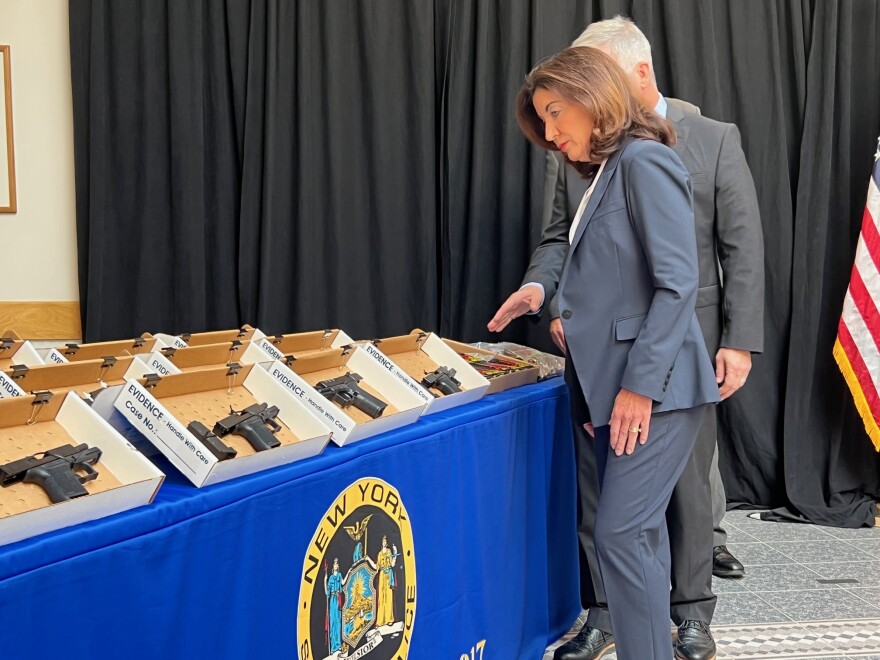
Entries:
{"x":41,"y":319}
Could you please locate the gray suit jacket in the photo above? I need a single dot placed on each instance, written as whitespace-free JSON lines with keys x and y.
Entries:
{"x":628,"y":287}
{"x":728,"y":228}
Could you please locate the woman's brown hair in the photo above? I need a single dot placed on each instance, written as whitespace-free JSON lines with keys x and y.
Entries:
{"x":589,"y":77}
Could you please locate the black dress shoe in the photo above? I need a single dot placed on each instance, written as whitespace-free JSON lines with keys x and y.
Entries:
{"x":588,"y":644}
{"x":694,"y":642}
{"x":725,"y":565}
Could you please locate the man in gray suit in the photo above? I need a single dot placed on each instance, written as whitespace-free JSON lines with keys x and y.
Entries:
{"x":731,"y":318}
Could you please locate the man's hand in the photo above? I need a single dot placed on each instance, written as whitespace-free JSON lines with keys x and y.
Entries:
{"x":630,"y":420}
{"x":529,"y":298}
{"x":732,"y":367}
{"x":557,"y":334}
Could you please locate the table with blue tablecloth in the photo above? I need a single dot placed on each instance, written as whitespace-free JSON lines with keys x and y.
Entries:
{"x":450,"y":538}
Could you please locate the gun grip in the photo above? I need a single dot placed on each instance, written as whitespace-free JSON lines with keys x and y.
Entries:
{"x":370,"y":405}
{"x":60,"y":485}
{"x":447,"y":387}
{"x":257,"y":434}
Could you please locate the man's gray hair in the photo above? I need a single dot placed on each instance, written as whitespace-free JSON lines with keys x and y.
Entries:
{"x":627,"y":43}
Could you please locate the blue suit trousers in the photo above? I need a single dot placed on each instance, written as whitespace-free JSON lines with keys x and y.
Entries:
{"x":631,"y":537}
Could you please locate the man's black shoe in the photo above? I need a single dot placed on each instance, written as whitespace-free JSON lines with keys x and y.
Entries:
{"x":694,"y":642}
{"x":588,"y":644}
{"x":725,"y":565}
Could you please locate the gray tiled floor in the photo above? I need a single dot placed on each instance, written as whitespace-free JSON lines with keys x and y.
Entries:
{"x":809,"y":592}
{"x":870,"y":546}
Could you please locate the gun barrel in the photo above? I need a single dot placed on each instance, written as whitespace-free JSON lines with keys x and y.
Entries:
{"x":442,"y":379}
{"x":14,"y":471}
{"x":258,"y":409}
{"x":233,"y":419}
{"x":342,"y":382}
{"x":346,"y":391}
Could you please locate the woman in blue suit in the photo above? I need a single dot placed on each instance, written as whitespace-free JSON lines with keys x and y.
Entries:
{"x":626,"y":291}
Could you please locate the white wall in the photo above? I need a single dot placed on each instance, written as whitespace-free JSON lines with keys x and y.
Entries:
{"x":39,"y":254}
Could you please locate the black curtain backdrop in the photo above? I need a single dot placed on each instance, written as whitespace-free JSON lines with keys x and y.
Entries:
{"x":305,"y":164}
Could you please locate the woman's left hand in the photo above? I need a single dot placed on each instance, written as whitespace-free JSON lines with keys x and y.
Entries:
{"x":630,"y":420}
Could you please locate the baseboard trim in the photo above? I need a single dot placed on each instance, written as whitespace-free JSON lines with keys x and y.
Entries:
{"x":41,"y":319}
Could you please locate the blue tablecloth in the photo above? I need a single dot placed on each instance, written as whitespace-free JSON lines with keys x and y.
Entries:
{"x":218,"y":572}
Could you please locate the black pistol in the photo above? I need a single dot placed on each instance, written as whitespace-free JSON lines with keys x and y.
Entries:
{"x":56,"y":471}
{"x":256,"y":424}
{"x":442,"y":379}
{"x":220,"y":450}
{"x":346,"y":392}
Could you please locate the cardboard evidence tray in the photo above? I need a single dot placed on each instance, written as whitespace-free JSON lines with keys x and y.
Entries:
{"x":78,"y":352}
{"x":420,"y":353}
{"x":33,"y":424}
{"x":82,"y":377}
{"x":162,"y":408}
{"x":349,"y":424}
{"x":15,"y":351}
{"x":527,"y":376}
{"x":97,"y":381}
{"x":301,"y":344}
{"x":244,"y":333}
{"x":170,"y":360}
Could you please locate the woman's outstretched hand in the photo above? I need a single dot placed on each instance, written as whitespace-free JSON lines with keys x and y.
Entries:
{"x":528,"y":299}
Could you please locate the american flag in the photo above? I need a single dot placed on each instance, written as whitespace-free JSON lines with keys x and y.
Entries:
{"x":857,"y":348}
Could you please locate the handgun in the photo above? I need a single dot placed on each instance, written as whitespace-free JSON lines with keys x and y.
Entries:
{"x":256,"y":424}
{"x":442,"y":379}
{"x":345,"y":391}
{"x":220,"y":450}
{"x":56,"y":471}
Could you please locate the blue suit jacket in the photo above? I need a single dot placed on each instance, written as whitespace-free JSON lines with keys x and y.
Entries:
{"x":628,"y":288}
